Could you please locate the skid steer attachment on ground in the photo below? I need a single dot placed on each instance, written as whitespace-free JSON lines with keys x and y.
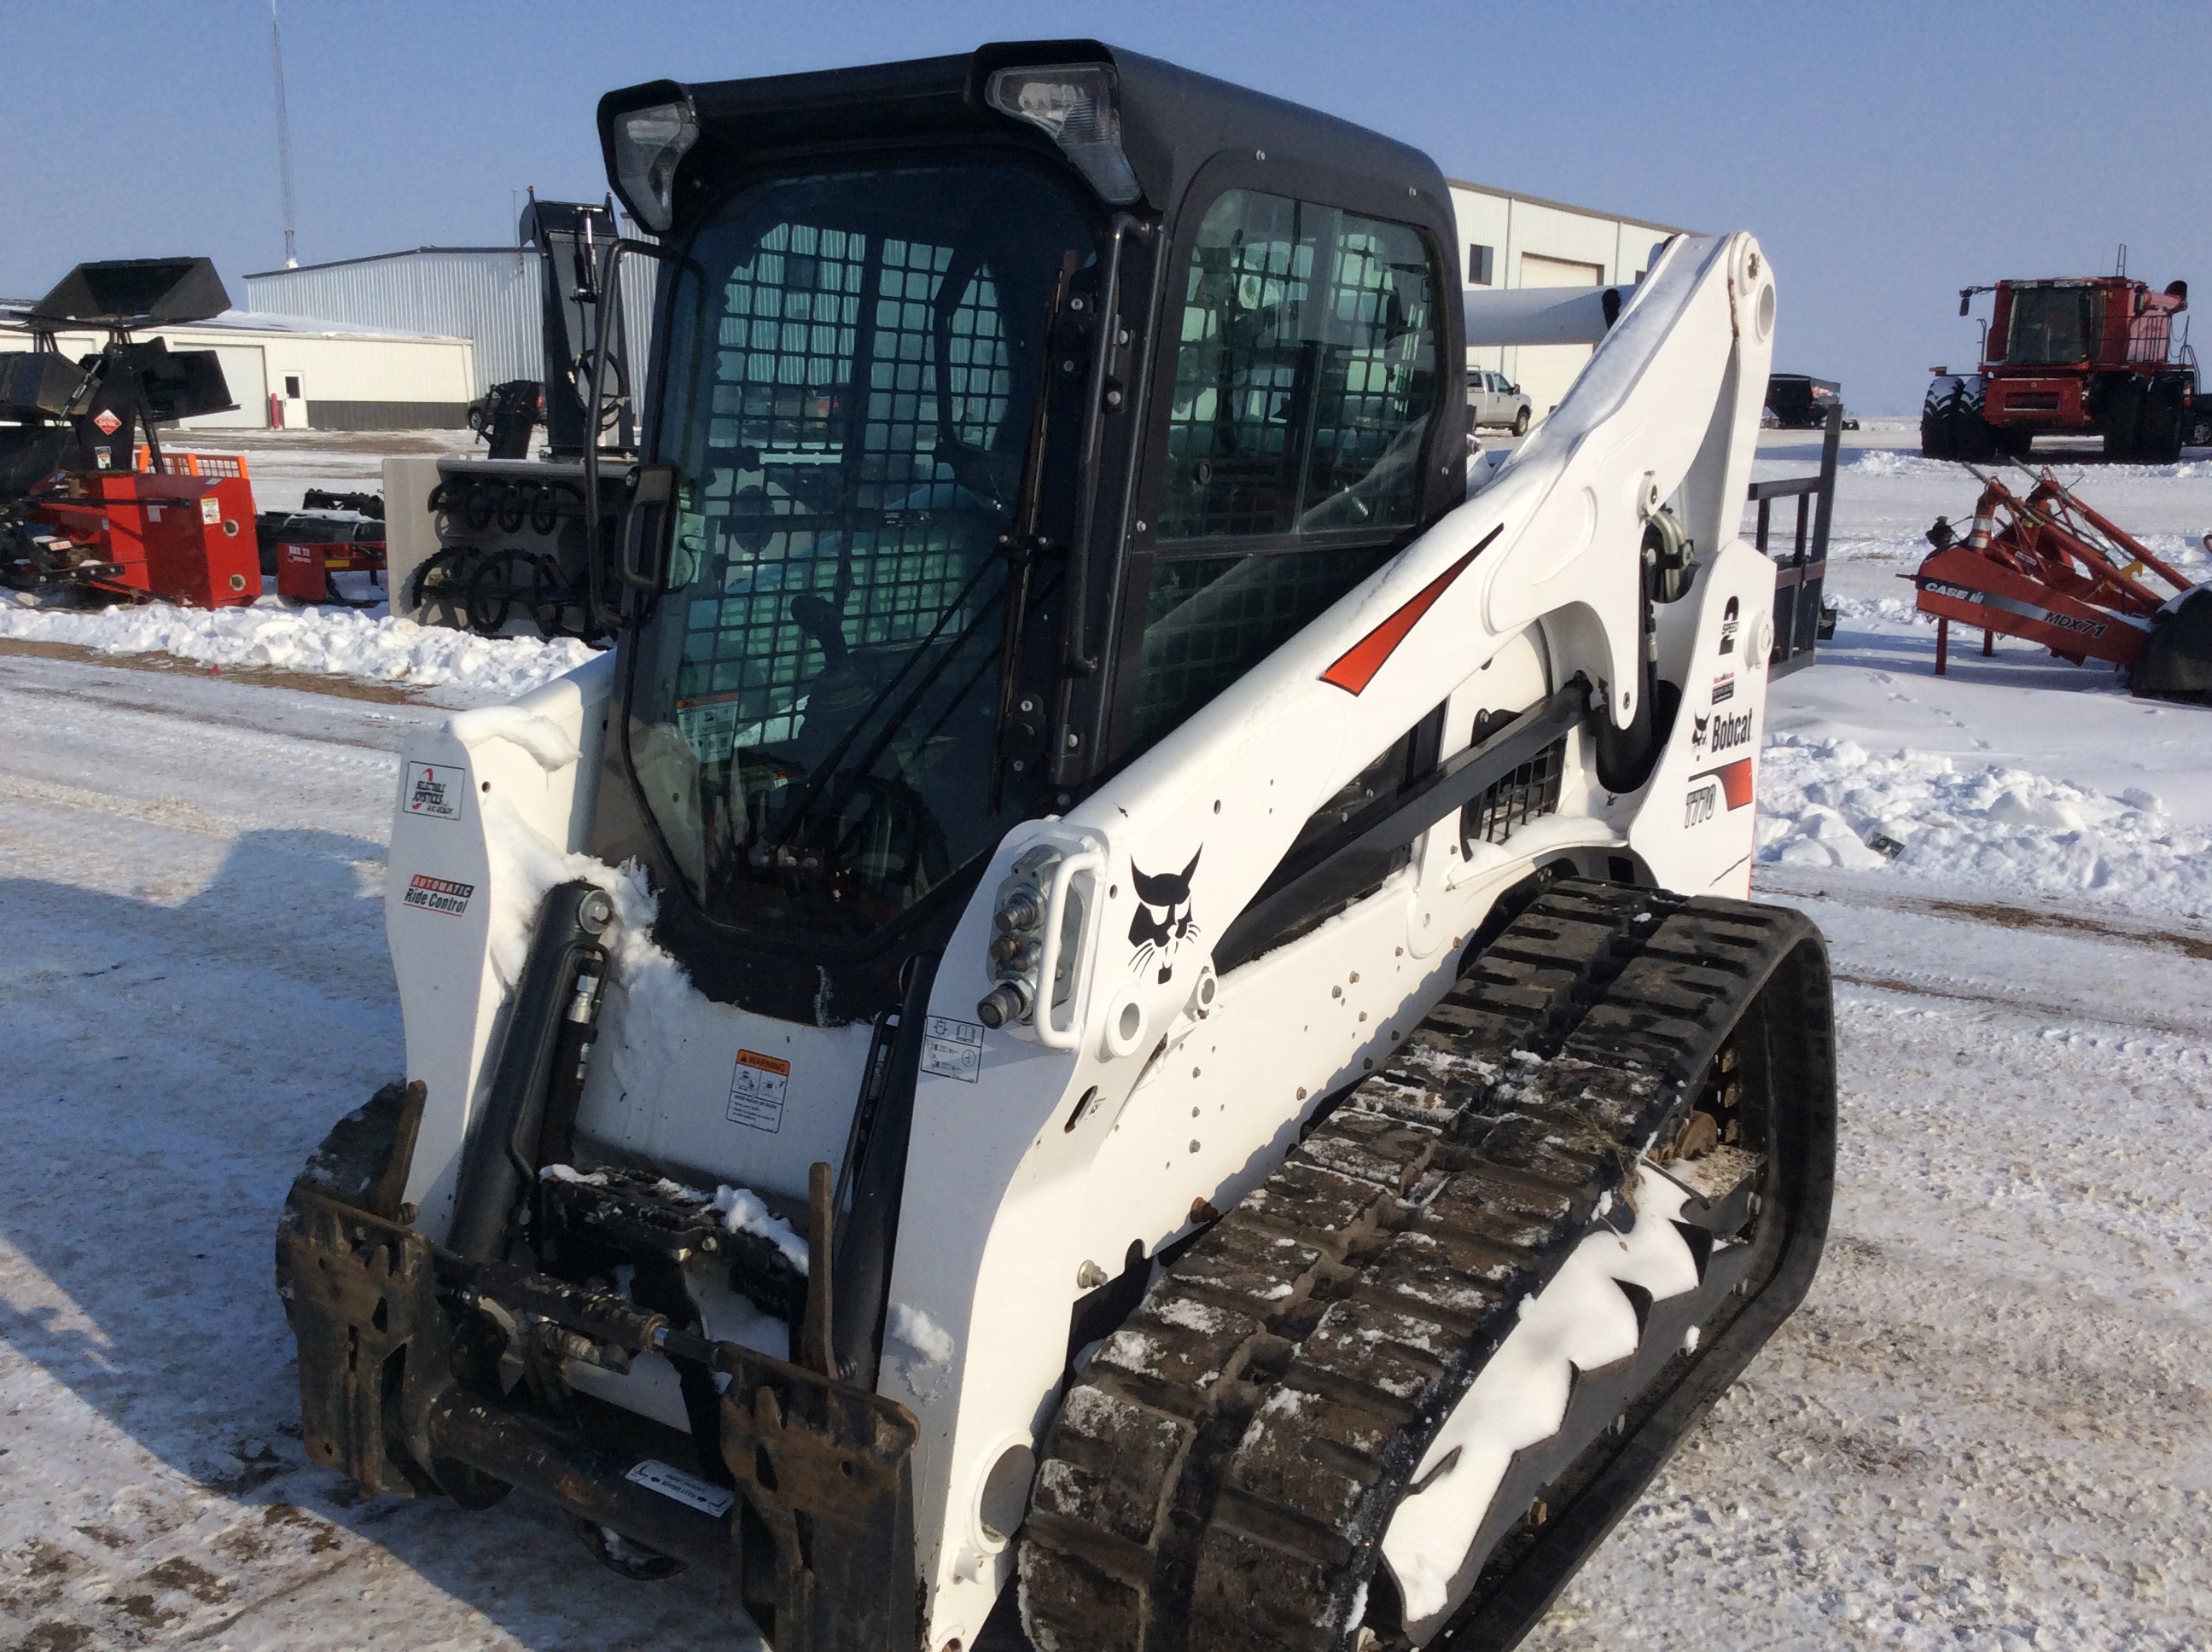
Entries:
{"x":1124,"y":1017}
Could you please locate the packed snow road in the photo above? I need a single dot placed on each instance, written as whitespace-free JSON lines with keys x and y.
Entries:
{"x":1990,"y":1424}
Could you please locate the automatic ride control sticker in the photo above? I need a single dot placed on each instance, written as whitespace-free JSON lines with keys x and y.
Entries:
{"x":953,"y":1049}
{"x":429,"y":894}
{"x":757,"y":1087}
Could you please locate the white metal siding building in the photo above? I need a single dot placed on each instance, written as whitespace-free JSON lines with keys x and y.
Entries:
{"x":490,"y":295}
{"x":1511,"y":241}
{"x":313,"y":374}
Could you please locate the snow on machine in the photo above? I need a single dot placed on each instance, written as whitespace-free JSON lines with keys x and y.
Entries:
{"x":1121,"y":1016}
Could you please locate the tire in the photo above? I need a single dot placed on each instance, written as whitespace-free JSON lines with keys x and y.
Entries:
{"x":2164,"y":423}
{"x":2119,"y":415}
{"x":1228,"y":1470}
{"x":2200,"y":425}
{"x":1521,"y":422}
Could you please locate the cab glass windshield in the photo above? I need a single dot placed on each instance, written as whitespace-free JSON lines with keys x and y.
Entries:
{"x":854,"y":363}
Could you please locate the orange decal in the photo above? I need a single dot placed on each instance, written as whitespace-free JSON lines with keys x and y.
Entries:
{"x":1355,"y":669}
{"x":1734,"y":779}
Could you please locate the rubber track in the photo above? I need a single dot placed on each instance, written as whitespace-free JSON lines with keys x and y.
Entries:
{"x":1218,"y":1475}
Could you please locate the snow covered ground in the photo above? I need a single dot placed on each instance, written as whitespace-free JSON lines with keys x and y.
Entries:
{"x":1990,"y":1426}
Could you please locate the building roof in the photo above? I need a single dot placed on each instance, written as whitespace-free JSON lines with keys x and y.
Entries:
{"x":12,"y":314}
{"x":403,"y":253}
{"x":1565,"y":206}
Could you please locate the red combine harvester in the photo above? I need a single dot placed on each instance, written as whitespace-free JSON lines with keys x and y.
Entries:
{"x":2048,"y":568}
{"x":2098,"y":357}
{"x":82,"y":503}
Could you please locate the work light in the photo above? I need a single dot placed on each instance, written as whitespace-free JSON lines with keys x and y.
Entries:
{"x":649,"y":143}
{"x":1073,"y":105}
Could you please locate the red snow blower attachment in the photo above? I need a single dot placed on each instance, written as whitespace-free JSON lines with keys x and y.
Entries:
{"x":2049,"y":570}
{"x":79,"y":507}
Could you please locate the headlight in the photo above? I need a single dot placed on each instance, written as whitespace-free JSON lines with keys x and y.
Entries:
{"x":648,"y":142}
{"x":1073,"y":104}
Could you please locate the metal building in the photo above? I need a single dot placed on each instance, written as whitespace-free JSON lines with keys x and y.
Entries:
{"x":286,"y":372}
{"x":1510,"y":241}
{"x":488,"y":294}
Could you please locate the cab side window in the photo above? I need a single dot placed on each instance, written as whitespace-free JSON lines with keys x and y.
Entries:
{"x":1305,"y":379}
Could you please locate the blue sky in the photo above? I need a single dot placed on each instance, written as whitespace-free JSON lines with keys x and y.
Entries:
{"x":1886,"y":155}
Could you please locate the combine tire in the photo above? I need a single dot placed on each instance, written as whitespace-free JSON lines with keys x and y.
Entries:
{"x":1395,"y":1396}
{"x":2163,"y":423}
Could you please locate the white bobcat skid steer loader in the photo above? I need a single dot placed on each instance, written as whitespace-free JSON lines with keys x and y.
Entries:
{"x":1122,"y":1017}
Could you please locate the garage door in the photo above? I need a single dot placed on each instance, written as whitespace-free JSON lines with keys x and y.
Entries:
{"x":1544,"y":371}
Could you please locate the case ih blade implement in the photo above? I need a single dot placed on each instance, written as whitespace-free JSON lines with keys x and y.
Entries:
{"x":2049,"y":570}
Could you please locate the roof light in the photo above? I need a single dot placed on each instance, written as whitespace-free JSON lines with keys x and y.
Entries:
{"x":648,"y":144}
{"x":1073,"y":105}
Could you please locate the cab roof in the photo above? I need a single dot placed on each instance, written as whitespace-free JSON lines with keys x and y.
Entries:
{"x":1173,"y":120}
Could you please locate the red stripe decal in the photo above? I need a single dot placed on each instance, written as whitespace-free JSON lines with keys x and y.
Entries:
{"x":1356,"y":668}
{"x":1734,"y":779}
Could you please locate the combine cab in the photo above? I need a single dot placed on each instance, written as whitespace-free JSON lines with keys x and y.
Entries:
{"x":2092,"y":358}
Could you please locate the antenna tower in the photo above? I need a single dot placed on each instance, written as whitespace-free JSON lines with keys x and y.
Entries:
{"x":283,"y":137}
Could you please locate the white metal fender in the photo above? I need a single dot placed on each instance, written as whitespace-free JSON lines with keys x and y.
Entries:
{"x":458,"y":903}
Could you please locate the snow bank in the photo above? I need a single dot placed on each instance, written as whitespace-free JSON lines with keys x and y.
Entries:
{"x":1831,"y":803}
{"x":333,"y":642}
{"x":1898,"y":462}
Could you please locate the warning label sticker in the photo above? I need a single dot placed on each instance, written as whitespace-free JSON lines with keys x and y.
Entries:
{"x":757,"y":1090}
{"x":713,"y":1501}
{"x":434,"y":790}
{"x":438,"y":895}
{"x":953,"y":1049}
{"x":211,"y":510}
{"x":106,"y":422}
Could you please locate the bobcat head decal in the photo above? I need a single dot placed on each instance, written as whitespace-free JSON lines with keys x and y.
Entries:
{"x":1164,"y":917}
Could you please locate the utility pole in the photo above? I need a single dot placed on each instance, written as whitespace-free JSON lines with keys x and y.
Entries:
{"x":283,"y":137}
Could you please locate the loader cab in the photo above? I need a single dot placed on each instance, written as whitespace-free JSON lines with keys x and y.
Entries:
{"x":1014,"y":405}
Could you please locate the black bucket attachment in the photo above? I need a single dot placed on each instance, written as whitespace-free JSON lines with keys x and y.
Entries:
{"x":2177,"y":658}
{"x":38,"y":384}
{"x":134,"y":292}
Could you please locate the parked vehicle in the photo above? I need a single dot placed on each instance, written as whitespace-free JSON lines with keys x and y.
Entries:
{"x":2096,"y":357}
{"x":1800,"y":402}
{"x":1494,"y":400}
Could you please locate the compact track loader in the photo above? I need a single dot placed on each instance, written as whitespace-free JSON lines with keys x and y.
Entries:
{"x":1122,"y":1017}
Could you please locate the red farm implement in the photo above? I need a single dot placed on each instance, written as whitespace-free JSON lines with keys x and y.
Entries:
{"x":2049,"y":570}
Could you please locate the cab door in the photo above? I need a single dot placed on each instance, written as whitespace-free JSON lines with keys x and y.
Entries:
{"x":1292,"y":444}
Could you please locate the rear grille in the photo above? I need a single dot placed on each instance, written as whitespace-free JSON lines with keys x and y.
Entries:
{"x":2032,"y":401}
{"x":1529,"y":792}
